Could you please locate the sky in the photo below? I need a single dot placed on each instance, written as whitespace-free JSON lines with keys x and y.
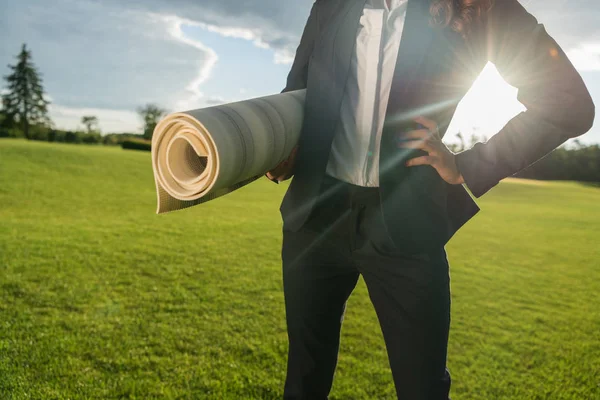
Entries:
{"x":109,"y":57}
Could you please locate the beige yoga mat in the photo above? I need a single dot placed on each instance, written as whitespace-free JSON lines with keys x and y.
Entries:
{"x":203,"y":154}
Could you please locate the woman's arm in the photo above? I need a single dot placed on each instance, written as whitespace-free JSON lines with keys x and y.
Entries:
{"x":558,"y":104}
{"x":296,"y":79}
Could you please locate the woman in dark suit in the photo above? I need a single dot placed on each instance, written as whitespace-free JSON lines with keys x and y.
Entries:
{"x":375,"y":191}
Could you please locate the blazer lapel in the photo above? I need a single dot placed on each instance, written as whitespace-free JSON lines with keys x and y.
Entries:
{"x":329,"y":71}
{"x":345,"y":38}
{"x":405,"y":102}
{"x":414,"y":46}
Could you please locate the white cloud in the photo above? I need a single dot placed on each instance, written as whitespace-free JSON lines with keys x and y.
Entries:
{"x":586,"y":57}
{"x":106,"y":57}
{"x":215,"y":101}
{"x":281,"y":55}
{"x":285,"y":57}
{"x":69,"y":118}
{"x":273,"y":24}
{"x":278,"y":24}
{"x":174,"y":25}
{"x":113,"y":56}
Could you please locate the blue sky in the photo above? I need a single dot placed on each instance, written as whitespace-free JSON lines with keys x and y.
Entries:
{"x":107,"y":57}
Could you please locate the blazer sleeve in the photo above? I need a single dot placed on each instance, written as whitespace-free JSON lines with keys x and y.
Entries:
{"x":297,"y":76}
{"x":558,"y":105}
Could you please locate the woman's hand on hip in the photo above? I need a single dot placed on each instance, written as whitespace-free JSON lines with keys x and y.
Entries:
{"x":439,"y":156}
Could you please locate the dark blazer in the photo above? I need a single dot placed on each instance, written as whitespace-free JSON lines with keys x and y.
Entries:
{"x":435,"y":69}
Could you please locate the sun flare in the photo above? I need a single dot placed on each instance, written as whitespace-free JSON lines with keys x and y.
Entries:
{"x":486,"y":108}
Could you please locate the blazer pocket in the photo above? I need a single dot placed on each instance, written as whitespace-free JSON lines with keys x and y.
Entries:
{"x":432,"y":188}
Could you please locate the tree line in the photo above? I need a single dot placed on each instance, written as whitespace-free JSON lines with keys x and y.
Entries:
{"x":24,"y":113}
{"x":574,"y":162}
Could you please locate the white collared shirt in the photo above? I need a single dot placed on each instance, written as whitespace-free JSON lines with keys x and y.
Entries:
{"x":354,"y":156}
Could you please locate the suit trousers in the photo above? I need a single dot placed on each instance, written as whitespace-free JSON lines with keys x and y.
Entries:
{"x":345,"y":237}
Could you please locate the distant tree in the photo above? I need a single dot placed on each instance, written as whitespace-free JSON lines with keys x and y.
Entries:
{"x":150,"y":114}
{"x":56,"y":135}
{"x":2,"y":117}
{"x":91,"y":138}
{"x":90,"y":122}
{"x":474,"y":139}
{"x":73,"y":137}
{"x":24,"y":101}
{"x":577,"y":144}
{"x":110,"y":139}
{"x":462,"y":141}
{"x":576,"y":164}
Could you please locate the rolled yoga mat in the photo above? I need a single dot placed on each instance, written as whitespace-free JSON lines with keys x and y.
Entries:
{"x":203,"y":154}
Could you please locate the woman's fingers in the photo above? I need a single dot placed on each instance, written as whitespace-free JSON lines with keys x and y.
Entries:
{"x":418,"y":144}
{"x":416,"y":134}
{"x":278,"y":172}
{"x":424,"y":139}
{"x":271,"y":176}
{"x":283,"y":170}
{"x":423,"y":160}
{"x":427,"y":123}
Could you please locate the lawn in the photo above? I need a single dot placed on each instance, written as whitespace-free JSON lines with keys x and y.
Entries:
{"x":101,"y":298}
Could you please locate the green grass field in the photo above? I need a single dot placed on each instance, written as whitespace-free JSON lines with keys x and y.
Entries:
{"x":101,"y":298}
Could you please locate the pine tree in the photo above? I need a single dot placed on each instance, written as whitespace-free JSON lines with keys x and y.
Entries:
{"x":25,"y":102}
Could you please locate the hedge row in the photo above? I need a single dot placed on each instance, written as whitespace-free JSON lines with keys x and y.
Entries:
{"x":136,"y":144}
{"x":46,"y":134}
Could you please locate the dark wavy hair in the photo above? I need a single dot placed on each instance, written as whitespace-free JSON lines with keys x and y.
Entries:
{"x":458,"y":15}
